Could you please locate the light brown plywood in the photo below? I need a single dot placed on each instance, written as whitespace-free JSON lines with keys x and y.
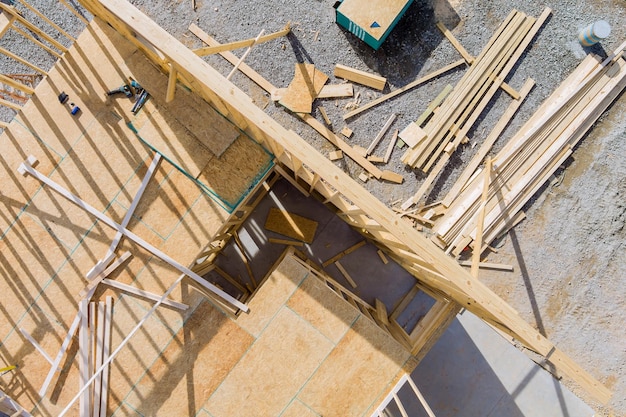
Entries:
{"x":303,"y":89}
{"x":291,"y":225}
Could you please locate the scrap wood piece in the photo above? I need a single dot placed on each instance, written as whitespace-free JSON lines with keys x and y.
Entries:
{"x":336,"y":91}
{"x":381,"y":133}
{"x":361,"y":77}
{"x":324,"y":115}
{"x":144,"y":294}
{"x":382,"y":256}
{"x":304,"y":88}
{"x":291,"y":225}
{"x":489,"y":265}
{"x":404,"y":89}
{"x":345,"y":274}
{"x":457,"y":45}
{"x":210,"y":50}
{"x":335,"y":155}
{"x":381,"y":311}
{"x":412,"y":134}
{"x":344,"y":253}
{"x":347,"y":132}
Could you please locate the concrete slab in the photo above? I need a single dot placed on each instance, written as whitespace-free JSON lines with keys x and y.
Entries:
{"x":473,"y":371}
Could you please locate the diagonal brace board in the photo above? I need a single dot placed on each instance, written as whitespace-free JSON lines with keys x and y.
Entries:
{"x":27,"y":168}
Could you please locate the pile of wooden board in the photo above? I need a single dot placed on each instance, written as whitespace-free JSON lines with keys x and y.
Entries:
{"x":448,"y":127}
{"x":533,"y":154}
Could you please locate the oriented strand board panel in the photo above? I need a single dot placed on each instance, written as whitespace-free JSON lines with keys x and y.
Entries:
{"x":303,"y":89}
{"x":355,"y":373}
{"x":291,"y":225}
{"x":273,"y":370}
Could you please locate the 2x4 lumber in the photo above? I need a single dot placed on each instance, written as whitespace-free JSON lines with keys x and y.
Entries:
{"x":291,"y":180}
{"x":143,"y":294}
{"x":481,"y":219}
{"x":99,"y":345}
{"x":11,"y":10}
{"x":10,"y":104}
{"x":285,"y":242}
{"x":6,"y":21}
{"x":381,"y":133}
{"x":15,"y":84}
{"x":22,"y":61}
{"x":404,"y":89}
{"x":36,"y":41}
{"x":344,"y":253}
{"x":322,"y":111}
{"x":105,"y":364}
{"x":60,"y":354}
{"x":489,"y":265}
{"x":233,"y":59}
{"x":457,"y":45}
{"x":488,"y":143}
{"x":48,"y":21}
{"x":26,"y":167}
{"x":210,"y":50}
{"x":83,"y":352}
{"x":106,"y":349}
{"x":336,"y":91}
{"x":345,"y":274}
{"x":245,"y":54}
{"x":230,"y":279}
{"x":360,"y":77}
{"x":381,"y":311}
{"x":392,"y":144}
{"x":75,"y":12}
{"x":460,"y":285}
{"x":171,"y":84}
{"x":382,"y":256}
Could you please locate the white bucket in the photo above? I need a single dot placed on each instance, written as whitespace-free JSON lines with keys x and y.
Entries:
{"x":594,"y":33}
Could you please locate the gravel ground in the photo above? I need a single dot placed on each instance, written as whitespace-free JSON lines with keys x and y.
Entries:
{"x":569,"y":253}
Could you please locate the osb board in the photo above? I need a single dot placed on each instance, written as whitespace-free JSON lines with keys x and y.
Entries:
{"x":315,"y":303}
{"x":202,"y":121}
{"x":291,"y":225}
{"x":355,"y":373}
{"x":271,"y":373}
{"x":199,"y":357}
{"x":237,"y":170}
{"x":383,"y":12}
{"x":272,"y":295}
{"x":173,"y":140}
{"x":305,"y":86}
{"x":47,"y":244}
{"x":297,"y":409}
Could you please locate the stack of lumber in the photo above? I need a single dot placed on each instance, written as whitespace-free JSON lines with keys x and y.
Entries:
{"x":533,"y":154}
{"x":448,"y":127}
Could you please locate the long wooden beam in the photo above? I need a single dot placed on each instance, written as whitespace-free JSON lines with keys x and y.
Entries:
{"x":239,"y":108}
{"x":210,"y":50}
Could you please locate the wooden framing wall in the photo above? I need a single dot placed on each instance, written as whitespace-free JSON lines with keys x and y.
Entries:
{"x":427,"y":262}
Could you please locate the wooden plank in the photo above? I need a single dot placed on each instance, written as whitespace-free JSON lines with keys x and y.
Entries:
{"x":15,"y":84}
{"x":75,"y":12}
{"x":433,"y":105}
{"x":106,"y":350}
{"x":488,"y":143}
{"x":26,"y":168}
{"x":285,"y":242}
{"x":382,"y":256}
{"x":360,"y":77}
{"x":381,"y":133}
{"x":336,"y":91}
{"x":489,"y":265}
{"x":230,"y":46}
{"x":347,"y":132}
{"x":457,"y":45}
{"x":291,"y":180}
{"x":291,"y":225}
{"x":481,"y":219}
{"x":143,"y":294}
{"x":22,"y":61}
{"x":45,"y":19}
{"x":381,"y":311}
{"x":11,"y":10}
{"x":404,"y":89}
{"x":344,"y":253}
{"x":10,"y":104}
{"x":99,"y":349}
{"x":171,"y":84}
{"x":83,"y":354}
{"x":244,"y":258}
{"x":37,"y":346}
{"x":324,"y":115}
{"x":345,"y":274}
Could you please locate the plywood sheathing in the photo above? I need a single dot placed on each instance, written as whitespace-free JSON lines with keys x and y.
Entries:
{"x":291,"y":225}
{"x":304,"y":88}
{"x":47,"y":244}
